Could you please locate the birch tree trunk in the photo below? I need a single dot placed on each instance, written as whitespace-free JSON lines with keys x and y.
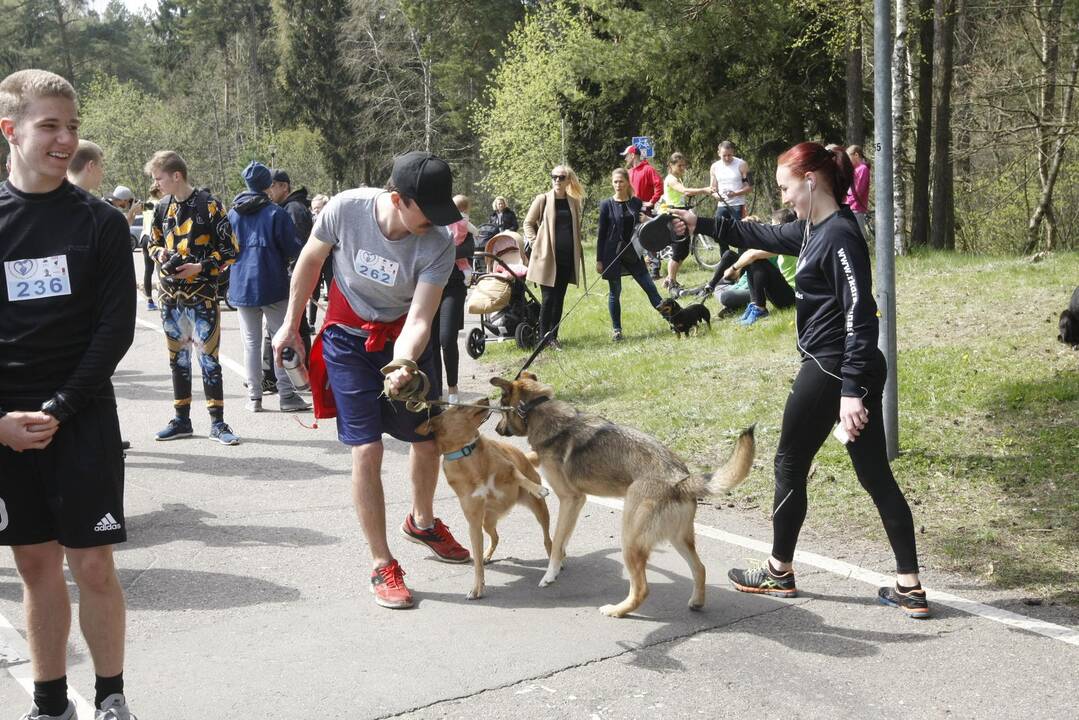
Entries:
{"x":1052,"y":135}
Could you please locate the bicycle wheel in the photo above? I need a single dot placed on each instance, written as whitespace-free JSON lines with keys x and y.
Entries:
{"x":706,"y":251}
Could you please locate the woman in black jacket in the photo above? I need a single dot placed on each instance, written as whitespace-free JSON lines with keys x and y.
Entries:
{"x":615,"y":256}
{"x":502,"y":217}
{"x":842,"y":374}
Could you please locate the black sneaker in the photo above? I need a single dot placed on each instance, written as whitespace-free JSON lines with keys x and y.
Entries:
{"x":269,"y":386}
{"x":762,"y":582}
{"x":913,"y":603}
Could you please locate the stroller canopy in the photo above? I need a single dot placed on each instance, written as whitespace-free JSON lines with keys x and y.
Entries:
{"x":509,"y":247}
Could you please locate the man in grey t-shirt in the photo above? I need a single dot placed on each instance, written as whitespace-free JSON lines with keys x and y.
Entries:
{"x":391,"y":259}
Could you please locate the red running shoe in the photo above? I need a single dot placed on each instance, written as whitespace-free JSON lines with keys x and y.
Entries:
{"x":438,"y":539}
{"x":388,"y":586}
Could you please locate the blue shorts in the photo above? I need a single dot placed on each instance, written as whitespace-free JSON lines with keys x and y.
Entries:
{"x":356,"y":378}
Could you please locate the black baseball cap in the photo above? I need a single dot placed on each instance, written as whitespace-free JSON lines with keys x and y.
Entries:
{"x":279,"y":175}
{"x":427,"y":179}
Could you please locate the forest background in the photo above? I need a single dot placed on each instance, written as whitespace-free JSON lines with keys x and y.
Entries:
{"x":504,"y":89}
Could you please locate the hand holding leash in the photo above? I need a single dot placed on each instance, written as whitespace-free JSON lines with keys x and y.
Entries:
{"x":406,"y":383}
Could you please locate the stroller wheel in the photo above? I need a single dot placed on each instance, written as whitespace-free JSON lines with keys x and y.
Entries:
{"x":477,"y":343}
{"x":525,"y":336}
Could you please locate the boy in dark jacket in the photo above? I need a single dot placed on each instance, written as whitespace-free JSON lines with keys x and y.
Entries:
{"x":260,"y":279}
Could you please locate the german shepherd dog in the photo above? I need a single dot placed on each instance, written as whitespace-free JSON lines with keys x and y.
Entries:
{"x":584,"y":454}
{"x":488,"y":476}
{"x":1069,"y":322}
{"x":683,"y":320}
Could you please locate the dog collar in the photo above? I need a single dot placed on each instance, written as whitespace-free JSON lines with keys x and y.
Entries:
{"x":463,"y":452}
{"x":524,"y":408}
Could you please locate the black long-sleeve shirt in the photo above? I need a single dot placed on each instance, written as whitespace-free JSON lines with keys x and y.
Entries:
{"x":833,"y":289}
{"x":67,"y":306}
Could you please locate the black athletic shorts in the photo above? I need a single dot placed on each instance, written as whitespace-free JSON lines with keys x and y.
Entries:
{"x":680,"y":250}
{"x":73,"y":490}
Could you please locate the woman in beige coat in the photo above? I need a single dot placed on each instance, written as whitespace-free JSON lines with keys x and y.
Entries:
{"x":553,"y":232}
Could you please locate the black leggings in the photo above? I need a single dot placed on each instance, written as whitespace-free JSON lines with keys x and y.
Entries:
{"x":147,"y":274}
{"x":812,"y":409}
{"x":450,"y":321}
{"x":766,"y":283}
{"x":552,"y":300}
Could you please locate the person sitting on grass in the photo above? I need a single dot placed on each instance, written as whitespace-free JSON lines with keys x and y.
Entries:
{"x":768,"y":277}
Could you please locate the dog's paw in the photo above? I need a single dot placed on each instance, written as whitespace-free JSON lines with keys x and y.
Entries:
{"x":612,"y":611}
{"x":548,"y":579}
{"x":696,"y":604}
{"x":542,"y":492}
{"x":476,"y":593}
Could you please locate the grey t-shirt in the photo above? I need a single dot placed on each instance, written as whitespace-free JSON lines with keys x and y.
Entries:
{"x":378,"y":276}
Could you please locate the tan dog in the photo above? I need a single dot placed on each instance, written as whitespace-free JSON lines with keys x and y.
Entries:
{"x":587,"y":455}
{"x":488,"y":476}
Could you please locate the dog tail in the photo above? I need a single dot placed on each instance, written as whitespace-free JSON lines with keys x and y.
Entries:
{"x":733,"y":472}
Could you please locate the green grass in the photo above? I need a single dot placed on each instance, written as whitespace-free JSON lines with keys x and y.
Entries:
{"x":988,"y":403}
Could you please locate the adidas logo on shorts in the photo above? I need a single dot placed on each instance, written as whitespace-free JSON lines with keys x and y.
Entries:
{"x":106,"y":523}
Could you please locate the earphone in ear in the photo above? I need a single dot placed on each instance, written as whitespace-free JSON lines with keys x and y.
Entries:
{"x":810,"y":181}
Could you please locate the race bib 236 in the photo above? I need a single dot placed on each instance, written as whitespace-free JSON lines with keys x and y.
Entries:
{"x":38,"y":278}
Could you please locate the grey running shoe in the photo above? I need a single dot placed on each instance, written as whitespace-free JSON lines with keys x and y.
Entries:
{"x":294,"y":403}
{"x":114,"y":708}
{"x":178,"y":427}
{"x":34,"y":714}
{"x":254,"y":405}
{"x":221,"y":432}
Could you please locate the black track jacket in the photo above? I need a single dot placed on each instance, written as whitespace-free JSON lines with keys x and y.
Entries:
{"x":834,"y":306}
{"x":63,"y":332}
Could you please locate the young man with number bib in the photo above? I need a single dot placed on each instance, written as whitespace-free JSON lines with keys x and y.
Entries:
{"x":392,"y":256}
{"x":67,"y":316}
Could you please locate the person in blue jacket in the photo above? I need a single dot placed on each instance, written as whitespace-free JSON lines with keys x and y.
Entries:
{"x":259,"y":285}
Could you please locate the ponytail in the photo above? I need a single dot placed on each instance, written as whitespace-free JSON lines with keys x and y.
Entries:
{"x":832,"y":167}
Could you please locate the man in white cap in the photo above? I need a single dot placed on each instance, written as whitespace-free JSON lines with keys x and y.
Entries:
{"x":124,"y":200}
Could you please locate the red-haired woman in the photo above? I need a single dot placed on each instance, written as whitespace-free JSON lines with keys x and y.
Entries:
{"x":842,"y":374}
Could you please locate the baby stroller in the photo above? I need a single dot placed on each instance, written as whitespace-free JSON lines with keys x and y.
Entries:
{"x":501,"y":297}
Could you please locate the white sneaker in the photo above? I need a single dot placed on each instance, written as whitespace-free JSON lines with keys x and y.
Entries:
{"x":451,"y":398}
{"x":34,"y":714}
{"x":113,"y":708}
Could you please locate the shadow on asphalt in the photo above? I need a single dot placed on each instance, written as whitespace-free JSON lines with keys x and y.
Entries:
{"x":168,"y":589}
{"x":179,"y":522}
{"x":212,"y":466}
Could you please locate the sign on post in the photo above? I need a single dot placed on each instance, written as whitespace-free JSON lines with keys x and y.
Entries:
{"x":644,"y":144}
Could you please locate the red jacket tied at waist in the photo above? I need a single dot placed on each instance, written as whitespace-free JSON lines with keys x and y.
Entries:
{"x":340,"y":312}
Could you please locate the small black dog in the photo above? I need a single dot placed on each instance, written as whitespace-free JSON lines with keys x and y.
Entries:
{"x":683,"y":320}
{"x":1069,"y":322}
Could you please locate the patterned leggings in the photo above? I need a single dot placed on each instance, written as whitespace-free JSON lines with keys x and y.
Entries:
{"x":198,"y":325}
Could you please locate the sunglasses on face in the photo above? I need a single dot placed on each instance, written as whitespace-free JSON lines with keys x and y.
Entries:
{"x":559,"y":178}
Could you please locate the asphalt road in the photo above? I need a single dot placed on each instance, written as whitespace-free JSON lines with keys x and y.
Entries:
{"x":246,"y":578}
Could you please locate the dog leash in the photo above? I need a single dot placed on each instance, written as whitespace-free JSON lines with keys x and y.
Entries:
{"x":545,"y":340}
{"x":414,"y":393}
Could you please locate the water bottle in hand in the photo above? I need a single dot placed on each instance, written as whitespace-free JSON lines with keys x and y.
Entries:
{"x":297,"y":373}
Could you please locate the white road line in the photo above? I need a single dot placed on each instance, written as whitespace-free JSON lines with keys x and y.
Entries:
{"x":845,"y":569}
{"x":15,"y":655}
